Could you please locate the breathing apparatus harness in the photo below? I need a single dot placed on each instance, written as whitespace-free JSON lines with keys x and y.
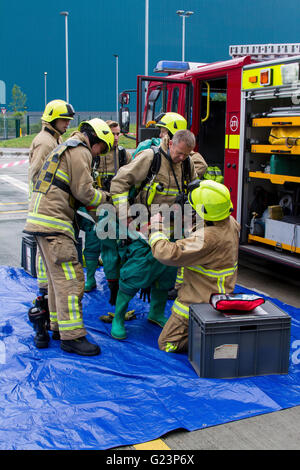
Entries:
{"x":153,"y":187}
{"x":103,"y":180}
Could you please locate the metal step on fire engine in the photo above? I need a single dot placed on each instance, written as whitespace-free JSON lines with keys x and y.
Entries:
{"x":265,"y":51}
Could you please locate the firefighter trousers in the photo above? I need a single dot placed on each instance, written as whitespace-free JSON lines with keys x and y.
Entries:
{"x":174,"y":336}
{"x":41,"y":272}
{"x":65,"y":285}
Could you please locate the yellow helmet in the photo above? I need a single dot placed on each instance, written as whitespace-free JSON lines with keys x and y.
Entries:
{"x":172,"y":121}
{"x":58,"y":109}
{"x":102,"y":131}
{"x":211,"y":200}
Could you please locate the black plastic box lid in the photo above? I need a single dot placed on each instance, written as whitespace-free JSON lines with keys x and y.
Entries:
{"x":206,"y":314}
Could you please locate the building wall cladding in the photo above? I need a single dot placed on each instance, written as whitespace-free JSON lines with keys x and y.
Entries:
{"x":32,"y":39}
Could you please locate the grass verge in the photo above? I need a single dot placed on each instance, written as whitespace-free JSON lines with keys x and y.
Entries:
{"x":25,"y":141}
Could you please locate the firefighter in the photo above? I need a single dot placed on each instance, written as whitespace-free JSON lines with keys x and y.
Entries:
{"x":64,"y":183}
{"x":161,"y":176}
{"x":161,"y":122}
{"x":209,"y":256}
{"x":105,"y":168}
{"x":55,"y":121}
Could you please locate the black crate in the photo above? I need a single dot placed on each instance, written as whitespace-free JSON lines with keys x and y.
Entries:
{"x":243,"y":345}
{"x":28,"y":254}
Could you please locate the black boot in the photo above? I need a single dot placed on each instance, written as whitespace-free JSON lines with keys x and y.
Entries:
{"x":80,"y":346}
{"x":38,"y":318}
{"x":41,"y":302}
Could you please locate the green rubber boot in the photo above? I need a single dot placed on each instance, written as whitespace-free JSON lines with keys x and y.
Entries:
{"x":157,"y":307}
{"x":117,"y":328}
{"x":91,"y":266}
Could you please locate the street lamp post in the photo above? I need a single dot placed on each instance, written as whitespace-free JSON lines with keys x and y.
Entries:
{"x":146,"y":35}
{"x":184,"y":15}
{"x":45,"y":83}
{"x":66,"y":14}
{"x":117,"y":86}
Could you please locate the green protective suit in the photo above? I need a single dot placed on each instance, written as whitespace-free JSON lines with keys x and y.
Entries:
{"x":93,"y":248}
{"x":141,"y":271}
{"x":146,"y":144}
{"x":110,"y":258}
{"x":92,"y":243}
{"x":110,"y":254}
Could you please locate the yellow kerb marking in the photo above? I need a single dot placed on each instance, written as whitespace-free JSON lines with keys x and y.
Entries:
{"x":157,"y":444}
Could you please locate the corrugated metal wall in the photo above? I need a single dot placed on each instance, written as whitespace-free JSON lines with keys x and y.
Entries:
{"x":32,"y":40}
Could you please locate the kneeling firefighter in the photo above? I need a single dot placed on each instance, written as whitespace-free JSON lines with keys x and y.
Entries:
{"x":209,"y":256}
{"x":63,"y":184}
{"x":161,"y":176}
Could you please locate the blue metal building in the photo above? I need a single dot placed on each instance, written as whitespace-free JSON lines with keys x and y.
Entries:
{"x":32,"y":38}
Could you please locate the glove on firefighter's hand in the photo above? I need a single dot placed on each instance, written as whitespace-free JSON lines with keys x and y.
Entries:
{"x":113,"y":285}
{"x":145,"y":294}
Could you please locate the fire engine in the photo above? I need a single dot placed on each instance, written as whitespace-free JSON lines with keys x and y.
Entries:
{"x":234,"y":107}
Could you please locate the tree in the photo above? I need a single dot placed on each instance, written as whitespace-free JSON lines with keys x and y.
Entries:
{"x":17,"y":105}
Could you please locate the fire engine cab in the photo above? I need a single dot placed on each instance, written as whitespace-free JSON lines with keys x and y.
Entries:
{"x":245,"y":114}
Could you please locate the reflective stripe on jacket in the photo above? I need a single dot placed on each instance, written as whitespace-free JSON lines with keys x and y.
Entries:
{"x":43,"y":143}
{"x":52,"y":212}
{"x":210,"y":256}
{"x":219,"y":275}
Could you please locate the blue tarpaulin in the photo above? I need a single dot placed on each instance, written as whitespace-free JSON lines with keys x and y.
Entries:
{"x":131,"y":393}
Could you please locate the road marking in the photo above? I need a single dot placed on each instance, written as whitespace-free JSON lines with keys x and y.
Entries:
{"x":13,"y":212}
{"x":11,"y":164}
{"x":12,"y":217}
{"x":157,"y":444}
{"x":12,"y":203}
{"x":18,"y":184}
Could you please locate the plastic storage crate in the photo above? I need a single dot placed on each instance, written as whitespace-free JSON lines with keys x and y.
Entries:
{"x":28,"y":254}
{"x":239,"y":345}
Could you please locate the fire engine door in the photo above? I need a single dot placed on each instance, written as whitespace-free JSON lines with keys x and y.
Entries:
{"x":211,"y":137}
{"x":158,"y":95}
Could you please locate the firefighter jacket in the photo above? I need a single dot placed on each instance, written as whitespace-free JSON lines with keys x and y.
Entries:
{"x":58,"y":193}
{"x":109,"y":164}
{"x":199,"y":163}
{"x":209,"y":257}
{"x":41,"y":146}
{"x":135,"y":173}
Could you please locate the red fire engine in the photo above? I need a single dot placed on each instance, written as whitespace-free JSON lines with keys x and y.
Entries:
{"x":233,"y":107}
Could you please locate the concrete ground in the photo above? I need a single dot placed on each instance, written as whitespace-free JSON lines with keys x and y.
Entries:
{"x":274,"y":431}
